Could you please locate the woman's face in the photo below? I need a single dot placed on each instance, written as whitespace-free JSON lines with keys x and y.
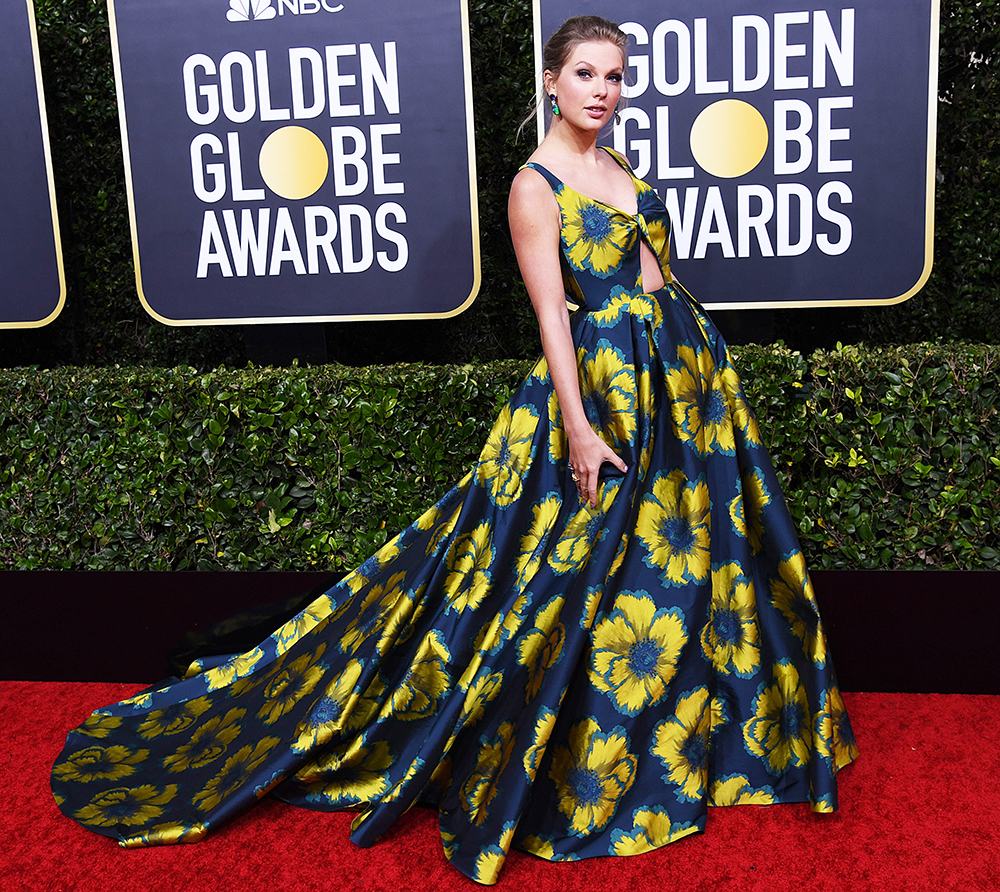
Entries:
{"x":589,"y":84}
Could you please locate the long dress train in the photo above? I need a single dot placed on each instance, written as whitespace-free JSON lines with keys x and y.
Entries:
{"x":570,"y":680}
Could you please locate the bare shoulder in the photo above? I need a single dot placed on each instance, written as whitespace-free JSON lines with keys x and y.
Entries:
{"x":530,"y":196}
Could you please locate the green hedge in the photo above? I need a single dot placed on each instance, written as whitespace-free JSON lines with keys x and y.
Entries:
{"x":890,"y":458}
{"x":104,"y":324}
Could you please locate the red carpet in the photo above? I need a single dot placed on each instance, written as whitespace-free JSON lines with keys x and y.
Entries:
{"x":919,"y":810}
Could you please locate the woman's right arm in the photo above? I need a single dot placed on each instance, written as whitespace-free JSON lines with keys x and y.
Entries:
{"x":534,"y":227}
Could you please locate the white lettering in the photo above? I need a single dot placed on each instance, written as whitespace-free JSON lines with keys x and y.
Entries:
{"x":841,"y":221}
{"x":784,"y":135}
{"x":390,"y":235}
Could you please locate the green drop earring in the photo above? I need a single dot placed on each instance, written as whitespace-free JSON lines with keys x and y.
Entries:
{"x":555,"y":105}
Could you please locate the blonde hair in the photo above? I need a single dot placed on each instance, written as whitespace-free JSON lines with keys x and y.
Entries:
{"x":559,"y":47}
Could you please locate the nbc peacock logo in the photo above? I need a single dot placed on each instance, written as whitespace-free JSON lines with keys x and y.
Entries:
{"x":261,"y":10}
{"x":250,"y":10}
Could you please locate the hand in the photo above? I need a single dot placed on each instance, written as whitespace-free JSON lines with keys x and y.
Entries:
{"x":586,"y":455}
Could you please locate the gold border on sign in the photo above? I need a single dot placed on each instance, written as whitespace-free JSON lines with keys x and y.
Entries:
{"x":357,"y":317}
{"x":932,"y":87}
{"x":47,"y":152}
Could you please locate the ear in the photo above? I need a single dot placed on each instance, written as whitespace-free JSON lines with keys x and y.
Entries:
{"x":548,"y":81}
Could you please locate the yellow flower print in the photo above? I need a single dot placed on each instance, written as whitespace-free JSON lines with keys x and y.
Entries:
{"x":544,"y":724}
{"x":491,"y":859}
{"x":98,"y":725}
{"x":173,"y":719}
{"x":484,"y":689}
{"x":397,"y":788}
{"x":658,"y":233}
{"x":558,"y":445}
{"x":608,"y":390}
{"x":425,"y":682}
{"x":208,"y":743}
{"x":635,"y":650}
{"x":780,"y":731}
{"x":234,"y":774}
{"x":335,"y":710}
{"x":596,"y":236}
{"x":532,"y":546}
{"x":746,"y":510}
{"x":502,"y":626}
{"x":591,"y":602}
{"x":701,"y":412}
{"x":742,"y":415}
{"x":469,"y":563}
{"x":651,"y":828}
{"x":166,"y":834}
{"x":481,"y":786}
{"x":507,"y":454}
{"x":592,"y":774}
{"x":729,"y":638}
{"x":621,"y":301}
{"x":675,"y":527}
{"x":290,"y":684}
{"x":385,"y":608}
{"x":445,"y":528}
{"x":583,"y":531}
{"x":681,"y":743}
{"x":100,"y":763}
{"x":142,"y":701}
{"x":541,"y":648}
{"x":126,"y":806}
{"x":835,"y":741}
{"x":302,"y":624}
{"x":736,"y":790}
{"x":544,"y":847}
{"x":236,"y":668}
{"x":360,"y":776}
{"x":792,"y":594}
{"x":372,"y":566}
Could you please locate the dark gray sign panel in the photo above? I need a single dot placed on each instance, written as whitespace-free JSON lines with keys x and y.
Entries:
{"x":32,"y":284}
{"x":298,"y":160}
{"x":793,"y":144}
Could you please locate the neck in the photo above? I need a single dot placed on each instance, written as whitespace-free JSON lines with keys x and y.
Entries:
{"x":581,"y":143}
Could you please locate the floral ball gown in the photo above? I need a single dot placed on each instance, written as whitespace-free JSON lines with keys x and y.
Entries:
{"x":570,"y":680}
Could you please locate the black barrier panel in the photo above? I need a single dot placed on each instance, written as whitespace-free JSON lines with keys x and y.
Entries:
{"x":793,"y":144}
{"x":296,"y":160}
{"x":32,"y":285}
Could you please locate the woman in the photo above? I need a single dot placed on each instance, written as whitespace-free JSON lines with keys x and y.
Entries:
{"x":605,"y":627}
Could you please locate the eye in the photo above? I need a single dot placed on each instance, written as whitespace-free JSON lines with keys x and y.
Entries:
{"x":584,"y":73}
{"x":615,"y":78}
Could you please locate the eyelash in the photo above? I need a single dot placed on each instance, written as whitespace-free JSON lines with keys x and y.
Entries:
{"x":584,"y":73}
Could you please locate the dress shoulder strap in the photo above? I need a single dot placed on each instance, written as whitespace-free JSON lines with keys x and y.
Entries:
{"x":553,"y":180}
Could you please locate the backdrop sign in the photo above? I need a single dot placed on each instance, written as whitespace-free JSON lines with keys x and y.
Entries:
{"x":297,"y":160}
{"x":793,"y":145}
{"x":32,"y":284}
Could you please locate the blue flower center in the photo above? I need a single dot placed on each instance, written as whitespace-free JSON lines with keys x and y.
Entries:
{"x":805,"y":612}
{"x":643,"y":657}
{"x":728,"y":627}
{"x":715,"y":407}
{"x":327,"y":710}
{"x":678,"y":533}
{"x":125,"y":807}
{"x":503,"y":455}
{"x":596,"y":223}
{"x":370,"y":567}
{"x":594,"y":526}
{"x":586,"y":784}
{"x":791,"y":720}
{"x":597,"y":410}
{"x":694,"y":751}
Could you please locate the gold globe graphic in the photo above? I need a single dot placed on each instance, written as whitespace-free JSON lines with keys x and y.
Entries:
{"x":729,"y":138}
{"x":293,"y":162}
